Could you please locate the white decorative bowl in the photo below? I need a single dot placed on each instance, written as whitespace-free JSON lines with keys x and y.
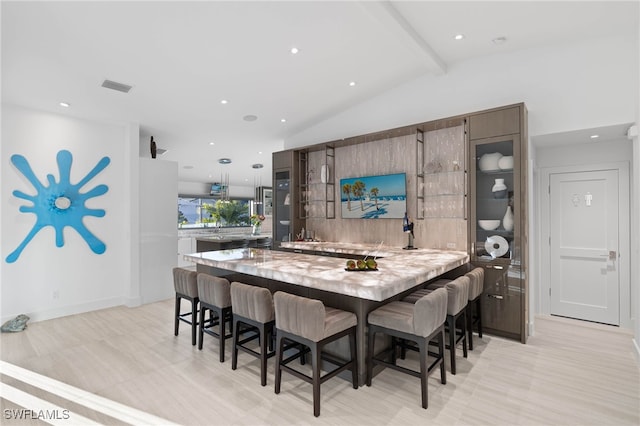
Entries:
{"x":489,"y":162}
{"x":506,"y":162}
{"x":489,"y":225}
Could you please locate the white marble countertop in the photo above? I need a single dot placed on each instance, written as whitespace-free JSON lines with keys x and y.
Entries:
{"x":231,"y":237}
{"x":398,"y":270}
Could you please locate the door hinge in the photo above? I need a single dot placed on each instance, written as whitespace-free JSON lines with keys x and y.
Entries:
{"x":549,"y":189}
{"x":549,"y":239}
{"x":549,"y":291}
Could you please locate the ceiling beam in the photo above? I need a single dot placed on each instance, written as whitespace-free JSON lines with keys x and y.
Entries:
{"x":394,"y":22}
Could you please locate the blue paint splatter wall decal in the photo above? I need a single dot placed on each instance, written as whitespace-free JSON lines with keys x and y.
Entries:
{"x":60,"y":204}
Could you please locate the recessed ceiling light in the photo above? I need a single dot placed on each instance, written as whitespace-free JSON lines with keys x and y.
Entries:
{"x":257,"y":166}
{"x":250,"y":117}
{"x":224,"y":161}
{"x":65,"y":104}
{"x":294,"y":50}
{"x":283,"y":120}
{"x":459,"y":36}
{"x":352,"y":83}
{"x":499,"y":40}
{"x":595,"y":136}
{"x":187,"y":167}
{"x":259,"y":152}
{"x":212,"y":143}
{"x":224,"y":102}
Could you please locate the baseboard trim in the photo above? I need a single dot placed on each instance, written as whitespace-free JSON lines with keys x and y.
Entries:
{"x":64,"y":311}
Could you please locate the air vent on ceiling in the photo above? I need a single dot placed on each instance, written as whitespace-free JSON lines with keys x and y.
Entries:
{"x":116,"y":86}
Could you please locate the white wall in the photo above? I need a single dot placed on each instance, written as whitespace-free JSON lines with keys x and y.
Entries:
{"x":47,"y":281}
{"x":158,"y":228}
{"x":565,"y":87}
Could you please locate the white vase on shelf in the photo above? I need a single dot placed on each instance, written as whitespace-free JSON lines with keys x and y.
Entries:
{"x":499,"y":189}
{"x":507,"y":220}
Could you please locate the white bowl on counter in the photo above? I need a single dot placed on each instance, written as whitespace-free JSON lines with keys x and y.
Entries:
{"x":489,"y":225}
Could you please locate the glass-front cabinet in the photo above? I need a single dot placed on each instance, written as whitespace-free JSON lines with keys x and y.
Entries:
{"x":495,"y":184}
{"x":282,"y":206}
{"x":497,"y":220}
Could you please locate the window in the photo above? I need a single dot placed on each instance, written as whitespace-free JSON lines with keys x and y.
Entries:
{"x":212,"y":212}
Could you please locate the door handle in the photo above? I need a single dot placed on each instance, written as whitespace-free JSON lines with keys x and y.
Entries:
{"x":612,"y":255}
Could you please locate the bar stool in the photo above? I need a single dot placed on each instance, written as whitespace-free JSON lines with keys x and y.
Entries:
{"x":264,"y":243}
{"x":458,"y":294}
{"x":215,"y":296}
{"x":252,"y":311}
{"x":420,"y":322}
{"x":186,"y":286}
{"x":474,"y":316}
{"x":308,"y":322}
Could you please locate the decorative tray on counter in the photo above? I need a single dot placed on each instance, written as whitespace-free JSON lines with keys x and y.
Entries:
{"x":361,"y":270}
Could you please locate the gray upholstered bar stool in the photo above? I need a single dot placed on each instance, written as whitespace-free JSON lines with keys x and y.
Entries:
{"x":458,"y":294}
{"x":308,"y":322}
{"x":186,"y":286}
{"x":252,"y":312}
{"x":264,"y":243}
{"x":420,"y":322}
{"x":215,"y":296}
{"x":474,"y":306}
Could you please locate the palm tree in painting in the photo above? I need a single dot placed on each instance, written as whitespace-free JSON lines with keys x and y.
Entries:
{"x":346,"y":188}
{"x":374,"y":192}
{"x":358,"y":190}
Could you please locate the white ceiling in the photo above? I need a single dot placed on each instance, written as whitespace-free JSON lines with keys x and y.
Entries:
{"x":183,"y":58}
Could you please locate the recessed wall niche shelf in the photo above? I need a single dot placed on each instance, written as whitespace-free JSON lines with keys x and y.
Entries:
{"x":443,"y":173}
{"x":420,"y":187}
{"x":317,"y":186}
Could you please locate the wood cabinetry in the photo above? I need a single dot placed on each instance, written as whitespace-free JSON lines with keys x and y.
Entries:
{"x":497,"y":193}
{"x":285,"y":193}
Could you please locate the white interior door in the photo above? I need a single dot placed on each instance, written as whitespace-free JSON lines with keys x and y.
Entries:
{"x":585,"y":281}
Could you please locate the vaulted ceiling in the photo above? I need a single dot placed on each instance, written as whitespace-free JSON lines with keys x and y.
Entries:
{"x":183,"y":59}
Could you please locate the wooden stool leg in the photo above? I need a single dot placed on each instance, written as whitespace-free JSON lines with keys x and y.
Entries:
{"x":177,"y":319}
{"x":479,"y":311}
{"x":463,"y":330}
{"x":264,"y":338}
{"x":443,"y":372}
{"x":194,"y":321}
{"x":201,"y":327}
{"x":470,"y":326}
{"x":315,"y":365}
{"x":279,"y":343}
{"x":234,"y":346}
{"x":423,"y":347}
{"x":222,"y":337}
{"x":452,"y":342}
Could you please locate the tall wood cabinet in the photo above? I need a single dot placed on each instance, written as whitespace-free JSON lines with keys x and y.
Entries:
{"x":285,"y":195}
{"x":498,"y":216}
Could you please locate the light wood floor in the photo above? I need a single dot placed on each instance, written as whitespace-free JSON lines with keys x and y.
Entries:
{"x":569,"y":373}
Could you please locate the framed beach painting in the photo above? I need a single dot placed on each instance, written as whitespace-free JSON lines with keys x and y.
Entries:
{"x":374,"y":197}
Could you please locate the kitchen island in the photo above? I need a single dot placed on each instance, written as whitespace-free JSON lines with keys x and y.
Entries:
{"x":323,"y":277}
